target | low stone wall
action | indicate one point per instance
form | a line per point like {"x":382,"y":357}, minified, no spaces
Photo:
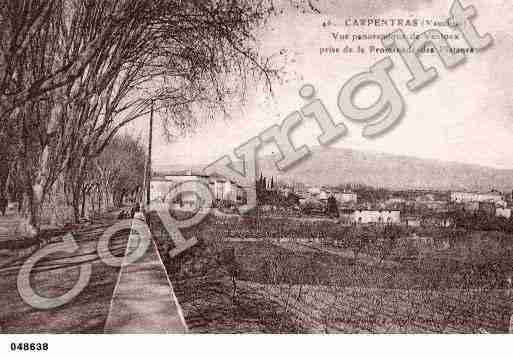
{"x":144,"y":300}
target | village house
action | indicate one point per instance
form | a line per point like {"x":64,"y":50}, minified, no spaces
{"x":342,"y":197}
{"x":503,"y":212}
{"x":432,"y":205}
{"x":345,"y":197}
{"x":221,"y":189}
{"x":395,"y":201}
{"x":465,"y":197}
{"x":366,"y":216}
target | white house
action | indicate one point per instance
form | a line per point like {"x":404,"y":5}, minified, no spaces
{"x":374,"y":216}
{"x":503,"y":212}
{"x":162,"y":184}
{"x":465,"y":197}
{"x":220,"y":188}
{"x":345,"y":197}
{"x":323,"y":194}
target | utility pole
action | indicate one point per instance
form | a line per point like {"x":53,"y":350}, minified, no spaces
{"x":149,"y":174}
{"x":147,"y":165}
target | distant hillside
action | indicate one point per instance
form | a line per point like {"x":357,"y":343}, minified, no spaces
{"x":333,"y":166}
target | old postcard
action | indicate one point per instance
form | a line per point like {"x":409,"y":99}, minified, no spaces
{"x":276,"y":166}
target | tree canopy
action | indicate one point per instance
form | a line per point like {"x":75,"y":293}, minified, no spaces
{"x":74,"y":72}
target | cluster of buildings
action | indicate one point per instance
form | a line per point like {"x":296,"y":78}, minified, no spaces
{"x":468,"y":197}
{"x":370,"y":216}
{"x":408,"y":207}
{"x":412,"y":208}
{"x":323,"y":193}
{"x":224,"y":191}
{"x":492,"y":203}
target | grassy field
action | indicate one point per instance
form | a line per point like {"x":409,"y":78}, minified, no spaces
{"x":271,"y":286}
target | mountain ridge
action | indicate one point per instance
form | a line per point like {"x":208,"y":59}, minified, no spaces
{"x":333,"y":166}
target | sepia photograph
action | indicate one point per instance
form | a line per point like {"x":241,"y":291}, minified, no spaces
{"x":248,"y":167}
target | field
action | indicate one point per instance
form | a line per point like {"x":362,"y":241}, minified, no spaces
{"x":275,"y":280}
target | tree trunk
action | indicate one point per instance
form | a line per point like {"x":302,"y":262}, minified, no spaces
{"x":76,"y":200}
{"x":76,"y":210}
{"x":4,"y":175}
{"x":234,"y":286}
{"x":122,"y":198}
{"x":37,"y":183}
{"x":30,"y":213}
{"x":82,"y":210}
{"x":33,"y":196}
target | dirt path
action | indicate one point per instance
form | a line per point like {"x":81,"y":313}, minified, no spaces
{"x":56,"y":274}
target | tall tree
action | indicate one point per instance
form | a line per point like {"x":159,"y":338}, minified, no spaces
{"x":74,"y":72}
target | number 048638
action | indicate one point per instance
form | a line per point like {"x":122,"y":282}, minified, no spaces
{"x":29,"y":346}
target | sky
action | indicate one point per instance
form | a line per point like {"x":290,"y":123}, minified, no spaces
{"x":465,"y":115}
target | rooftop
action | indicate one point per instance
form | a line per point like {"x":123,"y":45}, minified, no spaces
{"x":163,"y":176}
{"x":186,"y":172}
